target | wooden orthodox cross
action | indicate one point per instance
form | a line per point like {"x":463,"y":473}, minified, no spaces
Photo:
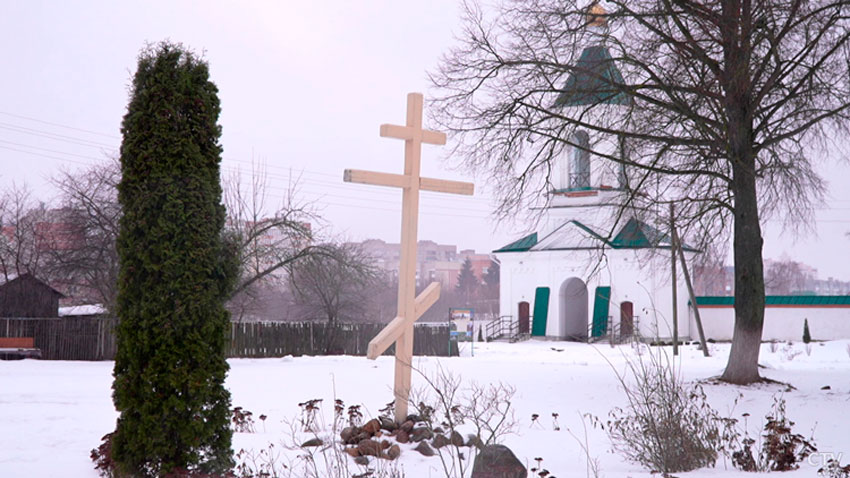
{"x":410,"y":307}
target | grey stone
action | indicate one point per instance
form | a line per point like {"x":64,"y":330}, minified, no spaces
{"x":421,"y":433}
{"x":423,"y":448}
{"x":498,"y":461}
{"x":407,"y":426}
{"x":348,"y":433}
{"x":472,"y":440}
{"x":456,"y":438}
{"x":393,"y":452}
{"x":312,"y":442}
{"x":387,"y":424}
{"x":440,"y":441}
{"x":369,"y":447}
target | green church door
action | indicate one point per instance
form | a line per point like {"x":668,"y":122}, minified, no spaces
{"x":600,"y":311}
{"x":541,"y":311}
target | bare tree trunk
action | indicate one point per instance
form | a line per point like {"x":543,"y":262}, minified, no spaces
{"x":742,"y":367}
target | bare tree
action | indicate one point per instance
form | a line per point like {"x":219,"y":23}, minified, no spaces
{"x":785,"y":277}
{"x":336,"y":285}
{"x":90,"y":211}
{"x":720,"y":107}
{"x":23,"y":238}
{"x":268,"y":239}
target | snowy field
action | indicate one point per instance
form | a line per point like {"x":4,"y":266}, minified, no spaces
{"x":53,"y":413}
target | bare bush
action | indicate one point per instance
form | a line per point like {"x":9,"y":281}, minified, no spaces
{"x":833,"y":469}
{"x":667,"y":427}
{"x":483,"y":412}
{"x":779,"y":448}
{"x":593,"y":468}
{"x":311,"y":449}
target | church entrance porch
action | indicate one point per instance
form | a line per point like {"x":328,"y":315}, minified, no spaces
{"x":572,"y":306}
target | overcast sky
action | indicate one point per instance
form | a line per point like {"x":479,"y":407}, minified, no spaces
{"x":304,"y":87}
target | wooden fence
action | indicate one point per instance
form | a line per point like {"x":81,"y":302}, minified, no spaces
{"x":94,"y":338}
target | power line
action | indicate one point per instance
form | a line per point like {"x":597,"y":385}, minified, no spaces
{"x":49,"y":150}
{"x":320,"y":194}
{"x":59,"y":125}
{"x":369,"y":189}
{"x":308,"y":181}
{"x":55,"y":136}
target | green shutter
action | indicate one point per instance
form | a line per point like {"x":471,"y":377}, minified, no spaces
{"x":600,"y":311}
{"x":541,"y":311}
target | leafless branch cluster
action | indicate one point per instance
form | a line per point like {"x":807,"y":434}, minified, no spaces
{"x":89,"y":212}
{"x":71,"y":244}
{"x":21,"y":241}
{"x":335,"y":283}
{"x":498,"y":93}
{"x":722,"y":107}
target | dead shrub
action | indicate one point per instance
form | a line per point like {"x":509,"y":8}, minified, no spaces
{"x":779,"y":449}
{"x":667,"y":427}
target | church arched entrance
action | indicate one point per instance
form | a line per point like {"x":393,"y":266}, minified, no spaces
{"x":573,"y":309}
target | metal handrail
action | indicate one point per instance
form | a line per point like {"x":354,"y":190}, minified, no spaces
{"x":503,"y":327}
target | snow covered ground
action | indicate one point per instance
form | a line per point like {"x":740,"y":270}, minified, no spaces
{"x":53,"y":413}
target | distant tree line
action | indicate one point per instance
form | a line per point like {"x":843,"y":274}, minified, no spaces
{"x":71,"y":243}
{"x":287,"y":268}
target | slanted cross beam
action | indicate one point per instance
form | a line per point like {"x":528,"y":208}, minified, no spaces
{"x":410,"y":307}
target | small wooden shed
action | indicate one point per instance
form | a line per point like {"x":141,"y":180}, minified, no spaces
{"x":26,"y":296}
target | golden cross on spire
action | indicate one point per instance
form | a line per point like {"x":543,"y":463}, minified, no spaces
{"x":597,"y":16}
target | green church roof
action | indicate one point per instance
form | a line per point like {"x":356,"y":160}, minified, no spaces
{"x":594,"y":80}
{"x":520,"y":245}
{"x":779,"y":300}
{"x":635,"y":234}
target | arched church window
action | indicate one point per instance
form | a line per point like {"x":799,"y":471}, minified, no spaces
{"x":580,"y":164}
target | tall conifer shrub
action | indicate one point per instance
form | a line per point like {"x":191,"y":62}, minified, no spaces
{"x":170,"y":364}
{"x":807,"y":336}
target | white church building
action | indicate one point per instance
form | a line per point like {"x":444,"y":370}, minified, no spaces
{"x":592,"y":268}
{"x":572,"y":279}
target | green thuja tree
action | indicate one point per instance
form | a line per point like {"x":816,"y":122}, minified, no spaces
{"x":175,"y":274}
{"x":467,"y":283}
{"x":807,"y":337}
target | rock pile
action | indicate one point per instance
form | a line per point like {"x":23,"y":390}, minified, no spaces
{"x":371,"y":438}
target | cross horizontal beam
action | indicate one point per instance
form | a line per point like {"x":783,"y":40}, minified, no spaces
{"x":395,"y":328}
{"x":408,"y":133}
{"x":403,"y":181}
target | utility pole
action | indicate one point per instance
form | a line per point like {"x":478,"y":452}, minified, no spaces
{"x":693,"y":296}
{"x":675,"y":292}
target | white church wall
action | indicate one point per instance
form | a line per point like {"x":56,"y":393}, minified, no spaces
{"x":643,"y":278}
{"x":780,"y":322}
{"x":628,"y":272}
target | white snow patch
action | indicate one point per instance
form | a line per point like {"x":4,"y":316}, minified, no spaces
{"x":52,"y":413}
